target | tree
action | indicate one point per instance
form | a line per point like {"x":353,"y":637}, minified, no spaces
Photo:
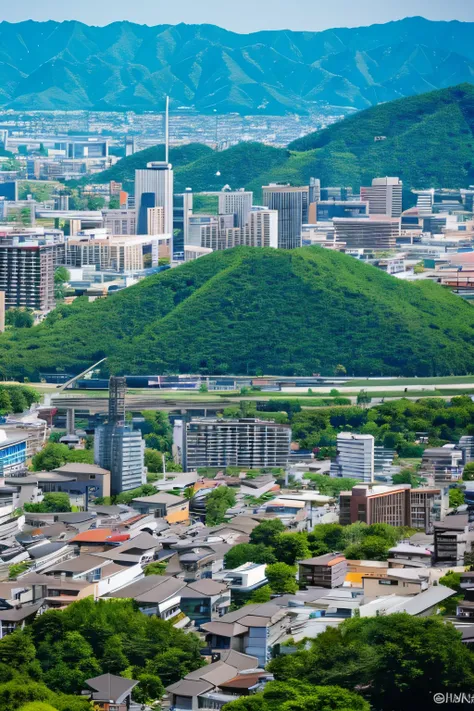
{"x":17,"y":569}
{"x":61,"y":277}
{"x":54,"y":455}
{"x":203,"y":388}
{"x":451,"y":580}
{"x":148,"y":689}
{"x":396,"y":661}
{"x":299,"y":696}
{"x":281,"y":578}
{"x":407,"y":476}
{"x":18,"y":400}
{"x":5,"y":402}
{"x":267,"y":532}
{"x":248,"y":553}
{"x":19,"y":318}
{"x":363,"y":398}
{"x":114,"y":660}
{"x":155,"y":568}
{"x":468,"y":472}
{"x":37,"y":706}
{"x":291,"y":547}
{"x":340,"y":370}
{"x":261,"y":595}
{"x":51,"y":503}
{"x":217,"y":502}
{"x":456,"y":498}
{"x":154,"y":461}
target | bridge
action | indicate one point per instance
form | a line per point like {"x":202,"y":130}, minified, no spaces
{"x":136,"y":403}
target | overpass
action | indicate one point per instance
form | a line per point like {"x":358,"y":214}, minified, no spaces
{"x":136,"y":403}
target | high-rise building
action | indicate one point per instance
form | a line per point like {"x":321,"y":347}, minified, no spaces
{"x":384,"y":196}
{"x":120,"y":222}
{"x":156,"y":221}
{"x":262,"y":228}
{"x":117,"y":446}
{"x":289,"y":203}
{"x":329,"y":209}
{"x":27,"y":273}
{"x":314,"y":190}
{"x":154,"y":188}
{"x":248,"y":443}
{"x":367,"y":233}
{"x":237,"y":203}
{"x":466,"y":445}
{"x":355,"y":457}
{"x":2,"y":311}
{"x":182,"y":211}
{"x":424,"y":202}
{"x":336,"y":193}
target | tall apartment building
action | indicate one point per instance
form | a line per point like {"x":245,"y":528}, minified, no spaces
{"x":288,"y":201}
{"x":396,"y":505}
{"x":466,"y":445}
{"x":355,"y":457}
{"x":155,"y":221}
{"x":27,"y":273}
{"x":117,"y":447}
{"x":424,"y":202}
{"x":442,"y":465}
{"x":182,"y":211}
{"x":115,"y":253}
{"x":237,"y":203}
{"x":314,"y":190}
{"x":120,"y":222}
{"x":367,"y":233}
{"x":261,"y":230}
{"x":154,"y":188}
{"x":384,"y":196}
{"x":250,"y":443}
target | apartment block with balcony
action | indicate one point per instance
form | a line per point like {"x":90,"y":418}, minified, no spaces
{"x":453,"y":538}
{"x":27,"y":273}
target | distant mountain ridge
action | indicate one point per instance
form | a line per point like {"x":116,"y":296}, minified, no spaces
{"x":124,"y":66}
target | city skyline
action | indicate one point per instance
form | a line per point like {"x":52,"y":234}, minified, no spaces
{"x":251,"y":17}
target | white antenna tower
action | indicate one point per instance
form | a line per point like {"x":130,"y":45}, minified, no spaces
{"x":167,"y":130}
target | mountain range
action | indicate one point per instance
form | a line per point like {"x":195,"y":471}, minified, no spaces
{"x":428,"y":141}
{"x":125,"y":66}
{"x":247,"y":310}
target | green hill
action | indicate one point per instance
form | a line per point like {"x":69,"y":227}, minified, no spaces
{"x":256,"y":310}
{"x":428,"y":142}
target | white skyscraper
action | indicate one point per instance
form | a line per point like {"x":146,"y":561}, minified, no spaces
{"x":384,"y":197}
{"x":238,"y":203}
{"x":355,"y":457}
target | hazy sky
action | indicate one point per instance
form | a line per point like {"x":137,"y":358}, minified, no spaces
{"x":240,"y":15}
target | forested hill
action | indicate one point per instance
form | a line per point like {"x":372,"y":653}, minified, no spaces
{"x":427,"y":140}
{"x":125,"y":66}
{"x":249,"y":310}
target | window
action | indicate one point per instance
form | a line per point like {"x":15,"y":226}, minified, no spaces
{"x":92,"y":476}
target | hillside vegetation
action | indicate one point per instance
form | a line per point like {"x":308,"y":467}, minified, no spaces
{"x":428,"y":143}
{"x":125,"y":66}
{"x":256,"y":311}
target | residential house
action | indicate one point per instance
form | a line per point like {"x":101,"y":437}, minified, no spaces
{"x":110,"y":692}
{"x":254,"y":629}
{"x":258,"y":486}
{"x":453,"y":538}
{"x":326,"y":571}
{"x":155,"y":595}
{"x":197,"y":690}
{"x":205,"y":600}
{"x":406,"y":555}
{"x":174,"y":509}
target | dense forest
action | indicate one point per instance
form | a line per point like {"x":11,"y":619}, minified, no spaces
{"x":254,"y":311}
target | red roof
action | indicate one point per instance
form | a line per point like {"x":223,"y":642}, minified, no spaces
{"x":99,"y":535}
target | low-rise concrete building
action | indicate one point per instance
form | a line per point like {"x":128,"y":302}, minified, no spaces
{"x":326,"y":571}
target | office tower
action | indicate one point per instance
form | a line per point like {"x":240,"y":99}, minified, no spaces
{"x":130,"y":145}
{"x":120,"y":222}
{"x":314,"y":190}
{"x":156,"y":221}
{"x":336,"y":193}
{"x":116,"y":253}
{"x":248,"y":443}
{"x":237,"y":203}
{"x":384,"y":197}
{"x":329,"y":209}
{"x":262,"y":228}
{"x":367,"y":233}
{"x":466,"y":445}
{"x":355,"y":457}
{"x":154,"y":188}
{"x":289,"y":203}
{"x":27,"y":273}
{"x":182,"y":211}
{"x":213,"y":234}
{"x":117,"y":392}
{"x":424,"y":202}
{"x":117,"y":446}
{"x":2,"y":311}
{"x":195,"y":222}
